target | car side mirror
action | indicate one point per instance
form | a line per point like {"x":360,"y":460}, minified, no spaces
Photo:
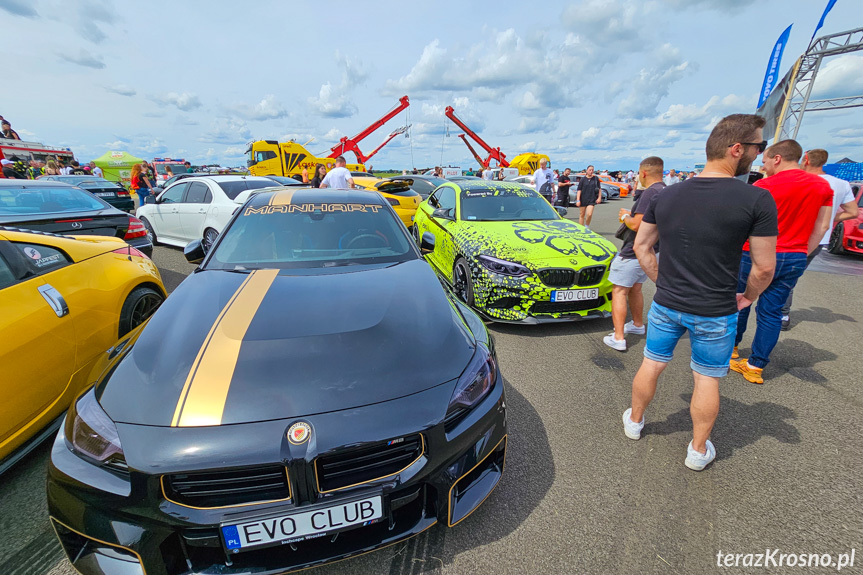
{"x":443,"y":213}
{"x":150,"y":199}
{"x":427,"y":243}
{"x":194,"y":252}
{"x":561,"y":210}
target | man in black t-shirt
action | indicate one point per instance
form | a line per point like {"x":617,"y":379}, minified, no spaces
{"x":563,"y":185}
{"x":703,"y":224}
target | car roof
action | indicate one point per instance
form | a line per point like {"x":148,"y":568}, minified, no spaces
{"x":289,"y":195}
{"x":35,"y":184}
{"x":475,"y":185}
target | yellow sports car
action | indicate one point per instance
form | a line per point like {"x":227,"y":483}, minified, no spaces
{"x":64,"y":301}
{"x":400,"y":196}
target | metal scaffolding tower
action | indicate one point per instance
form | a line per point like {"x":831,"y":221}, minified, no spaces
{"x":797,"y":100}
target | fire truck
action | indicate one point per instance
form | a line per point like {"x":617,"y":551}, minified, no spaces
{"x":273,"y":158}
{"x":159,"y":164}
{"x":526,"y":164}
{"x":23,"y":152}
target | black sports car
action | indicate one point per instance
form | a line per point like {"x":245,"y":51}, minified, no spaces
{"x":59,"y":208}
{"x":112,"y":192}
{"x":311,"y":392}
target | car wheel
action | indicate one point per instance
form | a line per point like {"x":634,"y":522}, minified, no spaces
{"x":462,"y":283}
{"x":415,"y":232}
{"x":139,"y":306}
{"x":837,"y":240}
{"x":210,"y":236}
{"x":151,"y":233}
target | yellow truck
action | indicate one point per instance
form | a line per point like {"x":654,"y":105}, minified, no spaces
{"x":272,"y":158}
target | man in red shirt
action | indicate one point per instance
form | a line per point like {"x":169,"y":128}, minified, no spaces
{"x":803,"y":204}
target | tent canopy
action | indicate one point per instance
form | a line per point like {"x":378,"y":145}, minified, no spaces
{"x":117,"y":166}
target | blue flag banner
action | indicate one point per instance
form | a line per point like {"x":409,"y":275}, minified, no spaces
{"x":830,"y":4}
{"x":772,"y":73}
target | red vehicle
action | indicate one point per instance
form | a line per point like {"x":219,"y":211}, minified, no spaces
{"x":19,"y":150}
{"x":159,"y":164}
{"x":847,"y":236}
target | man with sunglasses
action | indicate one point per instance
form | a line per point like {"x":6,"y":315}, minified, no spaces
{"x":804,"y":206}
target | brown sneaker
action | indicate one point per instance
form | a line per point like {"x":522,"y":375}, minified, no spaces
{"x":749,"y":373}
{"x":735,"y":354}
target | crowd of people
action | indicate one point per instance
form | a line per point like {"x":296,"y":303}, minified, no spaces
{"x":725,"y":244}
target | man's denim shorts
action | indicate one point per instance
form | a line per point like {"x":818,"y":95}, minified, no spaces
{"x":626,"y":273}
{"x":712,"y":338}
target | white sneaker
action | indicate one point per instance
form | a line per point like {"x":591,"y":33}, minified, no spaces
{"x":698,"y":461}
{"x":618,"y":344}
{"x":630,"y":327}
{"x":630,"y":428}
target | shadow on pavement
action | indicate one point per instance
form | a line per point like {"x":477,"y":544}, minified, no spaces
{"x":587,"y":326}
{"x":797,"y":358}
{"x":738,"y":424}
{"x":818,"y":315}
{"x":528,"y":476}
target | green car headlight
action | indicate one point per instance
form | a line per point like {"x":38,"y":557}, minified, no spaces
{"x":503,"y":267}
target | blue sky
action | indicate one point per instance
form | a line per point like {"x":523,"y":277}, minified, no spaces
{"x":602,"y":82}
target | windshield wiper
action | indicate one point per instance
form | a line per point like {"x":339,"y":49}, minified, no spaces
{"x":339,"y":263}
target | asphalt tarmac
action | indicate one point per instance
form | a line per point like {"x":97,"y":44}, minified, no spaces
{"x":579,"y":497}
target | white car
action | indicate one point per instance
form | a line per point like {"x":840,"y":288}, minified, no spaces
{"x":196,"y":208}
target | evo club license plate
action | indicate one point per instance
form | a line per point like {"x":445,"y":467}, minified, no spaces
{"x":290,"y":528}
{"x":574,"y":294}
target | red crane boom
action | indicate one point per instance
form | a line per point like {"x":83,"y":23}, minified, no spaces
{"x":351,"y":144}
{"x":394,"y":133}
{"x":472,"y":151}
{"x":493,"y":153}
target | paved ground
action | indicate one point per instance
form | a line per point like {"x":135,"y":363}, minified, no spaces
{"x":578,"y":497}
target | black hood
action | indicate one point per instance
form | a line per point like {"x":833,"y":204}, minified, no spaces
{"x":239,"y":347}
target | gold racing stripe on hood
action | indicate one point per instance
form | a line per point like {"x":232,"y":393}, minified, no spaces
{"x":282,"y":198}
{"x":202,"y":400}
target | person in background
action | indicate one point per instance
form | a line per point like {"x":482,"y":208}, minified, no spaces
{"x":305,"y":175}
{"x":169,"y":173}
{"x":671,"y":178}
{"x":77,"y":170}
{"x":64,"y":169}
{"x":9,"y":170}
{"x":588,"y":195}
{"x":7,"y":132}
{"x":140,"y":183}
{"x":339,"y":177}
{"x":189,"y":169}
{"x":488,"y":174}
{"x":844,"y":208}
{"x":625,"y":272}
{"x":564,"y":183}
{"x":543,"y":181}
{"x":500,"y":175}
{"x":51,"y":169}
{"x":35,"y":170}
{"x":805,"y":204}
{"x":320,"y":174}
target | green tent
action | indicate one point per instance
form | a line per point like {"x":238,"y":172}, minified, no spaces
{"x":117,"y":166}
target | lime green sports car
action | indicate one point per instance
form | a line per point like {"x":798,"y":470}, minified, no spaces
{"x":507,"y":253}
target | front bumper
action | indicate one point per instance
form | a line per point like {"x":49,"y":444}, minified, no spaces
{"x":114,"y":524}
{"x":528,"y":300}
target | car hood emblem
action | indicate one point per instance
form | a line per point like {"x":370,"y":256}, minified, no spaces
{"x":299,"y":432}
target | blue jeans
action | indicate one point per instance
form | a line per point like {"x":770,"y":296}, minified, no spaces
{"x":712,"y":338}
{"x":768,"y":310}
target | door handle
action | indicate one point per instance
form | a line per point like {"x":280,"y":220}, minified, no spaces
{"x":202,"y":211}
{"x":54,"y":299}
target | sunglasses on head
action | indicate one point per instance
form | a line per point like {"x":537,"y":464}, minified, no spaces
{"x":762,"y":145}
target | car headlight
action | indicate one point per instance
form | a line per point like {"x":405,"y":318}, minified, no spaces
{"x":475,"y":382}
{"x":91,"y":433}
{"x":503,"y":267}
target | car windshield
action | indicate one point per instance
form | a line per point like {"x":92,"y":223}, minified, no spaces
{"x":308,"y":236}
{"x":285,"y":180}
{"x":77,"y":180}
{"x":233,"y":188}
{"x":494,"y":204}
{"x":96,"y":183}
{"x":175,"y":168}
{"x":29,"y":201}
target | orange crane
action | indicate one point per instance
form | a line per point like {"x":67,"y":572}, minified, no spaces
{"x":352,"y":144}
{"x":493,"y":153}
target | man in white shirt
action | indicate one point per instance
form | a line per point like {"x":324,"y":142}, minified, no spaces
{"x":844,"y":208}
{"x":543,"y":180}
{"x":96,"y":170}
{"x":671,"y":178}
{"x":338,"y":177}
{"x":487,"y":174}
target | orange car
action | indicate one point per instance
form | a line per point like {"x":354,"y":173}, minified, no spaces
{"x":624,"y":188}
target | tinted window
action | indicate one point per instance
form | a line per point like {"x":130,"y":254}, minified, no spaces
{"x":497,"y":205}
{"x":312,"y":239}
{"x":446,"y":198}
{"x":233,"y":188}
{"x":197,"y":193}
{"x":23,"y":201}
{"x":174,"y":194}
{"x":7,"y":278}
{"x":43,"y":258}
{"x":263,"y":156}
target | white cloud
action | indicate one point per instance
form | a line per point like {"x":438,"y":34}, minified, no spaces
{"x":839,"y":77}
{"x":83,"y":58}
{"x":185,"y":101}
{"x":333,"y":134}
{"x":116,"y":145}
{"x":653,"y":84}
{"x":227,"y":131}
{"x":89,"y":16}
{"x":336,"y":101}
{"x":235,"y":151}
{"x":527,"y":147}
{"x":122,"y":90}
{"x":269,"y":108}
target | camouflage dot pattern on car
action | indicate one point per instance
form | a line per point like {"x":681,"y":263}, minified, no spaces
{"x":539,"y":245}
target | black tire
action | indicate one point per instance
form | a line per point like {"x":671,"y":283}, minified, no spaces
{"x":462,"y":282}
{"x":209,"y":238}
{"x":139,"y":306}
{"x":151,"y":233}
{"x":415,"y":232}
{"x":837,"y":240}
